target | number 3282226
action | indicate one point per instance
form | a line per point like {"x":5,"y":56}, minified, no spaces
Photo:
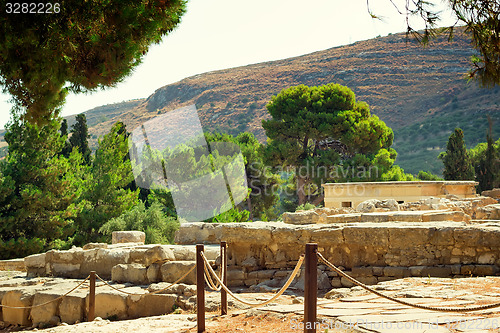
{"x":32,"y":8}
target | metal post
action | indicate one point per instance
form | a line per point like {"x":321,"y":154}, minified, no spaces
{"x":311,"y":288}
{"x":200,"y":289}
{"x":91,"y":314}
{"x":223,"y":292}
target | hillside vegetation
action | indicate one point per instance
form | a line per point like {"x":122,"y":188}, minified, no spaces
{"x":418,"y":91}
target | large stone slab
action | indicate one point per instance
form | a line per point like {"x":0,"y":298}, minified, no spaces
{"x":128,"y":237}
{"x":109,"y":304}
{"x":173,"y":270}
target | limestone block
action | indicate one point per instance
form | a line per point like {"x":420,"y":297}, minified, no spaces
{"x":323,"y":280}
{"x":375,"y":217}
{"x":262,"y":274}
{"x":71,"y":308}
{"x":397,"y":272}
{"x":368,"y":280}
{"x":43,"y":314}
{"x":363,"y":236}
{"x":367,"y":206}
{"x":137,"y":254}
{"x":439,"y":271}
{"x":237,"y":233}
{"x":173,"y":270}
{"x":362,"y":271}
{"x":492,"y":212}
{"x":109,"y":304}
{"x":302,"y":217}
{"x":407,"y":216}
{"x":150,"y":305}
{"x":416,"y":270}
{"x":133,"y":273}
{"x":20,"y":297}
{"x":153,"y":273}
{"x":408,"y":237}
{"x":335,"y":283}
{"x":485,"y":270}
{"x":128,"y":237}
{"x":91,"y":246}
{"x":65,"y":270}
{"x":158,"y":253}
{"x":35,"y":261}
{"x":177,"y":289}
{"x":345,"y":282}
{"x":235,"y":274}
{"x":198,"y":233}
{"x":344,"y":218}
{"x":442,"y":236}
{"x":494,"y":193}
{"x":486,"y":258}
{"x":103,"y":260}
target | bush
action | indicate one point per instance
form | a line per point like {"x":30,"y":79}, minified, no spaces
{"x":20,"y":247}
{"x":158,"y":227}
{"x":306,"y":206}
{"x":422,"y":175}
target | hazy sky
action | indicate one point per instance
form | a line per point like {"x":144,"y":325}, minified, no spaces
{"x":219,"y":34}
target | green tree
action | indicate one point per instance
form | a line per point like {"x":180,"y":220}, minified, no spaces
{"x":486,"y":160}
{"x":423,"y":175}
{"x":314,"y":128}
{"x":79,"y":138}
{"x":84,"y":46}
{"x":66,"y":150}
{"x":38,"y":187}
{"x":158,"y":227}
{"x":456,"y":159}
{"x":105,"y":195}
{"x":262,"y":182}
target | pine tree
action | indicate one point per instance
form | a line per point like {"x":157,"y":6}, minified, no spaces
{"x":456,"y":159}
{"x":37,"y":186}
{"x":79,"y":137}
{"x":82,"y":46}
{"x":104,"y":191}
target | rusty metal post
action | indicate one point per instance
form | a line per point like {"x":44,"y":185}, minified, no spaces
{"x":223,"y":293}
{"x":310,"y":288}
{"x":91,"y":314}
{"x":200,"y":289}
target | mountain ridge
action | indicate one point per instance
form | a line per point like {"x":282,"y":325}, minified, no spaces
{"x":418,"y":91}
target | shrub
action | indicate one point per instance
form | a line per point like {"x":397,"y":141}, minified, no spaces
{"x":158,"y":227}
{"x":306,"y":206}
{"x":20,"y":247}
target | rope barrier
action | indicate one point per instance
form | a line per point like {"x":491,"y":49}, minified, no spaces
{"x":208,"y":279}
{"x":425,"y":307}
{"x":150,"y":293}
{"x":42,"y":304}
{"x":280,"y":292}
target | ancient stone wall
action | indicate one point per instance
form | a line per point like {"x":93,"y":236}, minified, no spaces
{"x":264,"y":252}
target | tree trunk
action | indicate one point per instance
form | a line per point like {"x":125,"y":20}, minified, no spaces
{"x":249,"y":203}
{"x":301,"y":183}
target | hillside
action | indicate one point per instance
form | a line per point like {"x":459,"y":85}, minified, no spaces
{"x":420,"y":92}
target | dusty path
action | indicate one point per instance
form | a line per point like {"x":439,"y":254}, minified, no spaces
{"x":348,"y":310}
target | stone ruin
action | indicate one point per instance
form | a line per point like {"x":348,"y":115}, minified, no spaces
{"x":374,"y":242}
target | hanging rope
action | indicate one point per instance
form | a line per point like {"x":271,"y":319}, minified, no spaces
{"x":418,"y":306}
{"x":280,"y":292}
{"x":151,"y":293}
{"x":208,"y":279}
{"x":42,"y":304}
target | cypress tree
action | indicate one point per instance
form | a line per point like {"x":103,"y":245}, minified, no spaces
{"x":456,"y":159}
{"x":79,"y":138}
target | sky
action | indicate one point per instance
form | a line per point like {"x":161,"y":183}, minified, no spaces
{"x":220,"y":34}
